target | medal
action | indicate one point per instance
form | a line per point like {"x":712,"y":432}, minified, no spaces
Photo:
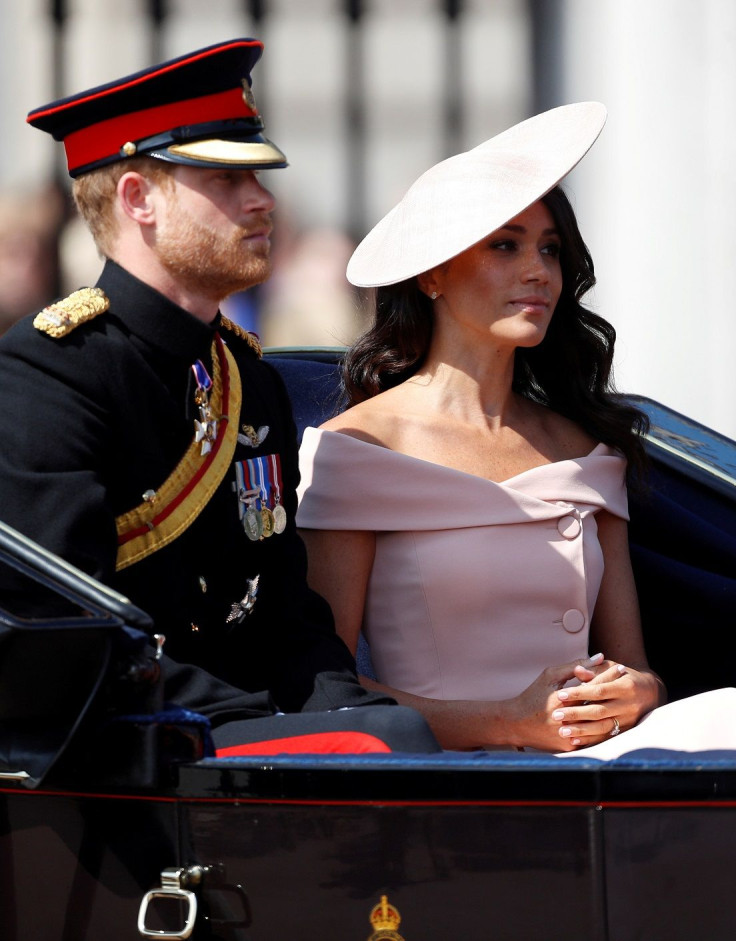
{"x":258,"y":485}
{"x":206,"y":432}
{"x":279,"y":513}
{"x":260,"y":468}
{"x":253,"y":524}
{"x":268,"y":522}
{"x":205,"y":427}
{"x":279,"y":518}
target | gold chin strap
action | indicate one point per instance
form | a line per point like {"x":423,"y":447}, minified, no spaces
{"x":167,"y":512}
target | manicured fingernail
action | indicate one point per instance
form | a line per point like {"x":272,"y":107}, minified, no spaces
{"x":558,"y":714}
{"x":576,"y":741}
{"x":596,"y":658}
{"x":562,"y":694}
{"x":621,"y":668}
{"x":565,"y":732}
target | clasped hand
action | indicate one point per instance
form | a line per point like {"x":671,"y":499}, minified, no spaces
{"x":555,"y":717}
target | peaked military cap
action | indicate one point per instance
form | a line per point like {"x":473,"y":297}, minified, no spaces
{"x":197,"y":109}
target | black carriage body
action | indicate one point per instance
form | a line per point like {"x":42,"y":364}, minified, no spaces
{"x":305,"y":848}
{"x":473,"y":846}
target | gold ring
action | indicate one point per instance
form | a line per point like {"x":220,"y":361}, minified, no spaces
{"x":616,"y":727}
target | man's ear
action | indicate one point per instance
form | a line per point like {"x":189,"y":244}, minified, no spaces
{"x":134,"y":197}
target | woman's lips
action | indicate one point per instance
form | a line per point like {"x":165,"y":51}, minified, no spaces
{"x":533,"y":304}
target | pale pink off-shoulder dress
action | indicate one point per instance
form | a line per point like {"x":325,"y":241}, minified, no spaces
{"x":478,"y":586}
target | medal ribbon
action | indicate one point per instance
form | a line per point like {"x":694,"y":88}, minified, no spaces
{"x":244,"y":490}
{"x":264,"y":481}
{"x":201,"y":376}
{"x":261,"y":478}
{"x":185,"y":493}
{"x":275,"y":460}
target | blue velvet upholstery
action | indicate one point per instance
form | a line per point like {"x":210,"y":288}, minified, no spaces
{"x":643,"y":759}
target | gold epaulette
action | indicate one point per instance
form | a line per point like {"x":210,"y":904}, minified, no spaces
{"x":61,"y":318}
{"x":250,"y":338}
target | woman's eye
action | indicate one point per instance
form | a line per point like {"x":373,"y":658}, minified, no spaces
{"x":503,"y":245}
{"x":553,"y":249}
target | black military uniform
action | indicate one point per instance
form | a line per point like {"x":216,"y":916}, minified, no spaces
{"x":157,"y":451}
{"x":94,"y":420}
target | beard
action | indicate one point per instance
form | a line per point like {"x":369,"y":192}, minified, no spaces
{"x":206,"y":262}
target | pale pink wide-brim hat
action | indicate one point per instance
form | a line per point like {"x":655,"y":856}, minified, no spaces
{"x":459,"y":201}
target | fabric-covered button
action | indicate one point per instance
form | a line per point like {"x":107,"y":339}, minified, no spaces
{"x":573,"y":621}
{"x":568,"y":526}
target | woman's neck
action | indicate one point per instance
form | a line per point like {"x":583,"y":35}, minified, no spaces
{"x":472,"y":384}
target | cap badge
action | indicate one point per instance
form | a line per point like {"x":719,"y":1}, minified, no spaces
{"x":61,"y":318}
{"x":248,"y":96}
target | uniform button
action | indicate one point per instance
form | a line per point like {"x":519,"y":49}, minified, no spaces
{"x":573,"y":621}
{"x":568,"y":526}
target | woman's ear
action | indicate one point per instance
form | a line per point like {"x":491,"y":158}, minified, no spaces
{"x":427,"y":282}
{"x":134,"y":198}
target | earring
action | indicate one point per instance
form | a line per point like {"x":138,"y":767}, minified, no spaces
{"x":433,"y":295}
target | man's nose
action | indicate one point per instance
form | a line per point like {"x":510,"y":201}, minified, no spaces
{"x":257,"y":198}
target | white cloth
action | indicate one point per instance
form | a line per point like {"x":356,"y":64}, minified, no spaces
{"x":699,"y":723}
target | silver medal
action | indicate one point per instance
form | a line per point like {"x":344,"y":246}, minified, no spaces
{"x":279,"y":518}
{"x":253,"y":523}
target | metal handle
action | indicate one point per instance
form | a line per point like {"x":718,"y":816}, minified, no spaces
{"x":172,"y":881}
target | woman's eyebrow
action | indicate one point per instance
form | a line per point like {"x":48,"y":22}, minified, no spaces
{"x":522,"y":230}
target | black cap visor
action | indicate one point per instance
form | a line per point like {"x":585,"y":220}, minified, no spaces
{"x":254,"y":152}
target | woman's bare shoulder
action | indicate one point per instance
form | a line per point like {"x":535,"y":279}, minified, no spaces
{"x":370,"y":420}
{"x":572,"y":440}
{"x":560,"y":437}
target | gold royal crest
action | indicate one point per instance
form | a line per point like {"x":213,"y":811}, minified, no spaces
{"x":385,"y":919}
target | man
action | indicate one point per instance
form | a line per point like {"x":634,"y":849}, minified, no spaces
{"x":146,"y":441}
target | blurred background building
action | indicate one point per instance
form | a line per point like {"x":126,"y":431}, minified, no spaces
{"x":363,"y":95}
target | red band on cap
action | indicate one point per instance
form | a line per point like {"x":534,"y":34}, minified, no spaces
{"x":98,"y":141}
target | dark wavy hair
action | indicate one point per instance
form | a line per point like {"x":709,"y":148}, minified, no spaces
{"x":570,"y":371}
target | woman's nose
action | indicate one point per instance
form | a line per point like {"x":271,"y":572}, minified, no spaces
{"x":534,"y":267}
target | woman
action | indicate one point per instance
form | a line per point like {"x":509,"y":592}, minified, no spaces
{"x":468,"y":511}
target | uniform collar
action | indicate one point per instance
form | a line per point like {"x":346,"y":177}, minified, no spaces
{"x":151,"y":316}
